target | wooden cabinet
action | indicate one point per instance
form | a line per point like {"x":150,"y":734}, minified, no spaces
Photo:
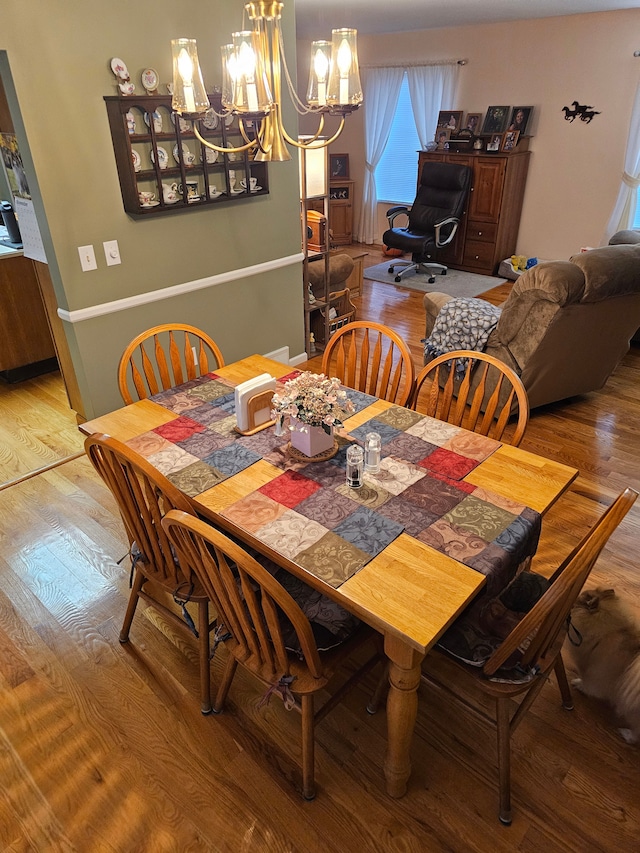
{"x":341,"y":212}
{"x":26,"y":347}
{"x":488,"y":231}
{"x":158,"y":153}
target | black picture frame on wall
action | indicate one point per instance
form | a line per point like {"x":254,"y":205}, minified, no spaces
{"x":495,"y":121}
{"x":338,"y":166}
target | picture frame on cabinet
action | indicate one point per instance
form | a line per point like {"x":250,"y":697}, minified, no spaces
{"x":450,"y":120}
{"x":495,"y":121}
{"x":495,"y":142}
{"x":473,"y":122}
{"x":338,"y":165}
{"x":443,"y":135}
{"x":510,"y":140}
{"x":520,"y":118}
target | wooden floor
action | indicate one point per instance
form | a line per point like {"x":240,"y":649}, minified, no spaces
{"x":103,"y":747}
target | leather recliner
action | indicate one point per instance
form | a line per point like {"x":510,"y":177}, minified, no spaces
{"x":566,"y":324}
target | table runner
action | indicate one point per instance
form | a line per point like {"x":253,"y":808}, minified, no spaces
{"x":308,"y":514}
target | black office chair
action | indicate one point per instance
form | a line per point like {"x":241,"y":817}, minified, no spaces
{"x":433,"y":218}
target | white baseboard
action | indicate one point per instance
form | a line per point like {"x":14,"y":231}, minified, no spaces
{"x":281,"y":354}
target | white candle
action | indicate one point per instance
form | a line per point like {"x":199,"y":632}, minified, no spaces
{"x":344,"y":67}
{"x":252,"y":97}
{"x":344,"y":90}
{"x":189,"y":99}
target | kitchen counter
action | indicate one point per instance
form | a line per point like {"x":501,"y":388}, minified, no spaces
{"x":5,"y":250}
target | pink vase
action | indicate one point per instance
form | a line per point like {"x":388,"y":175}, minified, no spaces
{"x":310,"y":440}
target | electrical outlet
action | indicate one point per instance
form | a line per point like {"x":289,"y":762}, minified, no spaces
{"x":87,"y":258}
{"x":111,"y":252}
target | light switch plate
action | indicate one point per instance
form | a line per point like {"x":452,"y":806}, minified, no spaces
{"x":87,"y":258}
{"x":111,"y":252}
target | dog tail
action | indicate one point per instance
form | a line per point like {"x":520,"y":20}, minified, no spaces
{"x":628,"y":698}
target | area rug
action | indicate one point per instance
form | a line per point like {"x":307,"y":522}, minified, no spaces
{"x":455,"y":282}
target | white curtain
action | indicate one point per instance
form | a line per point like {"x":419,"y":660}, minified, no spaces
{"x":432,"y":88}
{"x":381,"y":88}
{"x":624,"y":210}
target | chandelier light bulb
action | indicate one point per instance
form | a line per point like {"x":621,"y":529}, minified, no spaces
{"x":185,"y":67}
{"x":321,"y":69}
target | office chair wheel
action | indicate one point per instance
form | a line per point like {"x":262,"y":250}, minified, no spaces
{"x":444,"y":271}
{"x":432,"y":280}
{"x":398,"y":278}
{"x":391,"y":268}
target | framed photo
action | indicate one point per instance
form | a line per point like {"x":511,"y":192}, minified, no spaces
{"x":13,"y":167}
{"x":495,"y":142}
{"x":443,"y":135}
{"x":520,"y":117}
{"x":495,"y":120}
{"x":473,"y":122}
{"x":338,"y":166}
{"x":510,"y":140}
{"x":450,"y":120}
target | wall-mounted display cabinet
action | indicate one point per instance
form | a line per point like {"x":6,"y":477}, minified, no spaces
{"x":164,"y":168}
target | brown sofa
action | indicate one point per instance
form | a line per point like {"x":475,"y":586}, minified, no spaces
{"x":566,"y":324}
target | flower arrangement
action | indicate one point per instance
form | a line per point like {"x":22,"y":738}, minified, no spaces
{"x":314,"y":399}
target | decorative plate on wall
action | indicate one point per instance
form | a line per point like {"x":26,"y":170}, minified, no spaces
{"x":149,"y":79}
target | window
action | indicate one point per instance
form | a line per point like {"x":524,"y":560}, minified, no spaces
{"x":396,"y":173}
{"x":636,"y":221}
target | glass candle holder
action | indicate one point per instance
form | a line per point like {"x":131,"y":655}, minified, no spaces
{"x":355,"y":466}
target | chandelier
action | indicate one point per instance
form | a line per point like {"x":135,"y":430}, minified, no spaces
{"x":254,"y":70}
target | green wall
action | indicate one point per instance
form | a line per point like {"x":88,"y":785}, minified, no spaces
{"x":57,"y":55}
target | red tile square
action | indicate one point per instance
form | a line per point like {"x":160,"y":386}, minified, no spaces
{"x":290,"y":488}
{"x":179,"y":429}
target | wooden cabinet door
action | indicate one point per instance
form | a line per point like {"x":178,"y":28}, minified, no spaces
{"x":486,"y":194}
{"x":341,"y":223}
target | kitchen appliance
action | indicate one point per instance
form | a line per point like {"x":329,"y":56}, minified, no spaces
{"x":13,"y":238}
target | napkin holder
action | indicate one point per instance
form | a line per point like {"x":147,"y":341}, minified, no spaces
{"x":253,"y":404}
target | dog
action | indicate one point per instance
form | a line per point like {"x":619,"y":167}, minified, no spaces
{"x":604,"y":643}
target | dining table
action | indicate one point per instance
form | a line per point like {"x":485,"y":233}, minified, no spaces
{"x":450,"y":514}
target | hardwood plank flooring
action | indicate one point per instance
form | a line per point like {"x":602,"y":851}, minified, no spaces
{"x":37,"y":427}
{"x":103,"y":747}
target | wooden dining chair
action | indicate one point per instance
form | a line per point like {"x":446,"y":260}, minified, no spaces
{"x":472,"y":661}
{"x":372,"y":358}
{"x":262,"y":622}
{"x":143,"y":496}
{"x":163,"y":357}
{"x":475,"y":391}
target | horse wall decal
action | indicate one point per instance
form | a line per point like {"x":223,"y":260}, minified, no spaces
{"x":584,"y":112}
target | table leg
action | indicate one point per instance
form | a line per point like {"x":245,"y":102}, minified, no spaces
{"x":402,"y":708}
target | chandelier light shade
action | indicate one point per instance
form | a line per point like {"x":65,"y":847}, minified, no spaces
{"x":251,"y":92}
{"x":254,"y":74}
{"x":189,"y":93}
{"x":344,"y":80}
{"x":319,"y":73}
